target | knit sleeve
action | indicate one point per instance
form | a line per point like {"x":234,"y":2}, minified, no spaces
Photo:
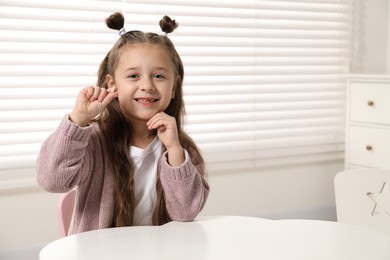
{"x":185,"y":189}
{"x":61,"y":160}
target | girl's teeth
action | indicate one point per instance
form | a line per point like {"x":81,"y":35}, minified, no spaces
{"x":145,"y":100}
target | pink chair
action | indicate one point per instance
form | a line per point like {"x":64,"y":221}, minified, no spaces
{"x":65,"y":208}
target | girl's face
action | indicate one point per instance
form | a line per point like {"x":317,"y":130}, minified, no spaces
{"x":144,"y":78}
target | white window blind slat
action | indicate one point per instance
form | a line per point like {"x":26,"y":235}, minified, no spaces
{"x":57,"y":102}
{"x":32,"y":115}
{"x":27,"y":127}
{"x":265,"y":88}
{"x":262,"y":146}
{"x":22,"y":162}
{"x":41,"y":22}
{"x":286,"y":53}
{"x":263,"y":61}
{"x":264,"y":82}
{"x":302,"y":100}
{"x":77,"y":59}
{"x":53,"y":48}
{"x":269,"y":113}
{"x":23,"y":138}
{"x":80,"y":70}
{"x":38,"y":93}
{"x":37,"y":104}
{"x":248,"y":132}
{"x":20,"y":83}
{"x":275,"y":124}
{"x":261,"y":79}
{"x":19,"y":149}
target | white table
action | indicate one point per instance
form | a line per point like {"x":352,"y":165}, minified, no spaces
{"x":225,"y":238}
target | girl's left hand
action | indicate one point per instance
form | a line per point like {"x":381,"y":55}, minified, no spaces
{"x":166,"y":129}
{"x":167,"y":133}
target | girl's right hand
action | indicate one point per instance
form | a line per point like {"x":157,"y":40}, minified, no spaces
{"x":90,"y":102}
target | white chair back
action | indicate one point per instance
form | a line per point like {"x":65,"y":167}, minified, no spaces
{"x":363,"y":198}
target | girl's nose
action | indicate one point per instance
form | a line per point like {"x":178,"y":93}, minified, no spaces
{"x":147,"y":86}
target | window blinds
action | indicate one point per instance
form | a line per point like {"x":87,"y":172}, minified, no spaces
{"x":264,"y":82}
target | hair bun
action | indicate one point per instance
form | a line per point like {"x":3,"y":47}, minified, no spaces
{"x":115,"y":21}
{"x":168,"y":25}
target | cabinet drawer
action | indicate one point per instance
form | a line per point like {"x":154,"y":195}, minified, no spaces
{"x":369,"y":147}
{"x":370,"y":102}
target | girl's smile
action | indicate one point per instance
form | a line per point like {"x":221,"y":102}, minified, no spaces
{"x":146,"y":101}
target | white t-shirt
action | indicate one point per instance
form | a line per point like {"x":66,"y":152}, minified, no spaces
{"x":145,"y":178}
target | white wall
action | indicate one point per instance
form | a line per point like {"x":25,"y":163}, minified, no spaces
{"x":27,"y":219}
{"x":373,"y":36}
{"x":28,"y":216}
{"x":388,"y":39}
{"x":299,"y":191}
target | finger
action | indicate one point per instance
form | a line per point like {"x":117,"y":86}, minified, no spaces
{"x":160,"y":122}
{"x":155,"y":124}
{"x":161,"y":128}
{"x":96,"y":93}
{"x":152,"y":121}
{"x":111,"y":95}
{"x":103,"y":93}
{"x":90,"y":91}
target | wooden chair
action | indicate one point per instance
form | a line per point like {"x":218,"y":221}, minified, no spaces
{"x":363,"y":198}
{"x":65,"y":208}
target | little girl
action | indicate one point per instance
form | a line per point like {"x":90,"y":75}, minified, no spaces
{"x":123,"y":146}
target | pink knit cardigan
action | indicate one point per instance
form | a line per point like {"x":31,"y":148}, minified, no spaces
{"x":77,"y":156}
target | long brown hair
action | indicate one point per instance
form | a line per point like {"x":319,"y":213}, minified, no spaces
{"x":118,"y":130}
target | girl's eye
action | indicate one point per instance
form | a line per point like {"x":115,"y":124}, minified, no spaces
{"x":133,"y":76}
{"x":158,"y":76}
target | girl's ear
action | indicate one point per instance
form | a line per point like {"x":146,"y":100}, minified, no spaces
{"x":110,"y":81}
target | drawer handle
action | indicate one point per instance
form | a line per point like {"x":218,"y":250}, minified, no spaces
{"x":369,"y":148}
{"x":370,"y":103}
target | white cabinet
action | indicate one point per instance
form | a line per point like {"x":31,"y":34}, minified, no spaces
{"x":368,"y":122}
